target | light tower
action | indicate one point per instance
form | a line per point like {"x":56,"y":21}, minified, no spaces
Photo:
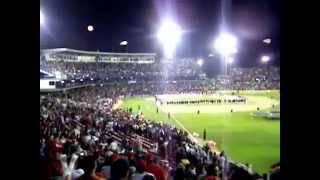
{"x":226,"y":45}
{"x":169,"y":36}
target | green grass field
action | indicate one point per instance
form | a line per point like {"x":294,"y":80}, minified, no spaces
{"x":244,"y":138}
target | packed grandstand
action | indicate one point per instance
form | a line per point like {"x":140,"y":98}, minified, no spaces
{"x":82,"y":133}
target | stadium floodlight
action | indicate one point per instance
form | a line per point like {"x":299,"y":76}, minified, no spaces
{"x":200,"y":62}
{"x":169,"y":36}
{"x":267,"y":41}
{"x":230,"y":60}
{"x":123,"y":43}
{"x":226,"y":44}
{"x":265,"y":59}
{"x":210,"y":55}
{"x":41,"y":18}
{"x":90,"y":28}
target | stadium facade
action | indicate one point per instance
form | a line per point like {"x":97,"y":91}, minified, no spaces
{"x":72,"y":55}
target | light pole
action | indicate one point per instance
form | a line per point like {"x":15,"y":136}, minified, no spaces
{"x":226,"y":45}
{"x":229,"y":63}
{"x":169,"y":36}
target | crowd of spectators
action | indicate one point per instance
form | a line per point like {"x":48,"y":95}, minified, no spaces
{"x":250,"y":78}
{"x":179,"y":70}
{"x":83,"y":137}
{"x":182,"y":69}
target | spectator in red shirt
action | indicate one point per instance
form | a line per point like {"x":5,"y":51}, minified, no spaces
{"x":51,"y":167}
{"x":153,"y":167}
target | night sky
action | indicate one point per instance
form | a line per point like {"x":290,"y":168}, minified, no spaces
{"x":137,"y":22}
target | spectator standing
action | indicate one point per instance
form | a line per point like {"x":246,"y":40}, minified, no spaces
{"x":153,"y":167}
{"x":89,"y":167}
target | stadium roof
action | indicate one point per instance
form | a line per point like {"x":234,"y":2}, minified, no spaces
{"x":59,"y":50}
{"x":45,"y":73}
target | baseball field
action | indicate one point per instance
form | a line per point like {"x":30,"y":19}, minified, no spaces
{"x":244,"y":138}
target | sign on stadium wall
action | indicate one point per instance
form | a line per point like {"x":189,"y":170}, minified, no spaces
{"x":48,"y":83}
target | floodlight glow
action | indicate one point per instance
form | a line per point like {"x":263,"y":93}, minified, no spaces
{"x":123,"y":43}
{"x":210,"y":55}
{"x":200,"y":62}
{"x":265,"y":59}
{"x":230,"y":60}
{"x":226,"y":44}
{"x":169,"y":35}
{"x":267,"y":41}
{"x":41,"y":18}
{"x":90,"y":28}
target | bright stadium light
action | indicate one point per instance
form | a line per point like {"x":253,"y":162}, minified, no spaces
{"x":123,"y":43}
{"x":210,"y":55}
{"x":90,"y":28}
{"x":265,"y":59}
{"x":41,"y":18}
{"x":230,"y":60}
{"x":267,"y":41}
{"x":169,"y":35}
{"x":200,"y":62}
{"x":226,"y":44}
